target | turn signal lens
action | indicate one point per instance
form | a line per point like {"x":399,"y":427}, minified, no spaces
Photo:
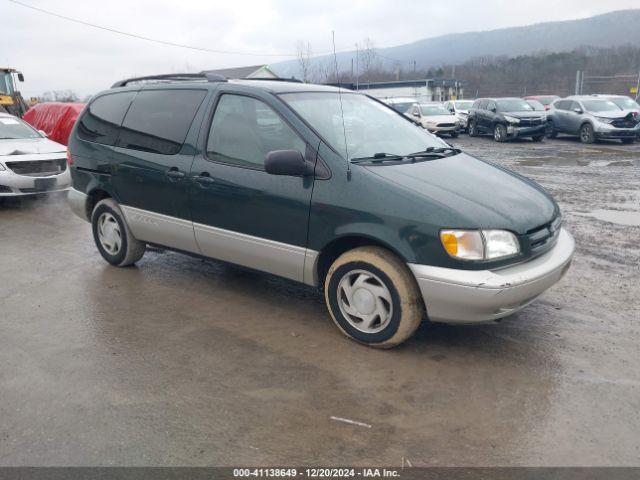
{"x":69,"y":157}
{"x":465,"y":244}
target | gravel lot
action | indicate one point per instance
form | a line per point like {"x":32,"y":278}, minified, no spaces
{"x":183,"y":362}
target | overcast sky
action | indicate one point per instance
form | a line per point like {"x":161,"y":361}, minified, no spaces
{"x":55,"y":54}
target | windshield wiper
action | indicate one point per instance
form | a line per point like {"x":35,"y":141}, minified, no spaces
{"x":379,"y":157}
{"x":435,"y":152}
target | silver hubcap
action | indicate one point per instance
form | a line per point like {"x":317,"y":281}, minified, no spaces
{"x":586,"y":134}
{"x":498,"y":133}
{"x":365,"y":301}
{"x":109,"y":233}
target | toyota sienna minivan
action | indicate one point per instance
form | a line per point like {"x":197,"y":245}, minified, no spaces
{"x":319,"y":185}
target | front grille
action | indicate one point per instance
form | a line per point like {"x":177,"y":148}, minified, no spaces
{"x":446,"y":125}
{"x":543,"y":237}
{"x":530,"y":122}
{"x":5,"y":189}
{"x":624,"y":123}
{"x":38,"y":168}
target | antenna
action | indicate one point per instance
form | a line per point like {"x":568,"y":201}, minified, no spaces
{"x":344,"y":129}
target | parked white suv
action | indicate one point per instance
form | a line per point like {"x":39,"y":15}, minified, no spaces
{"x":29,"y":162}
{"x":460,"y":108}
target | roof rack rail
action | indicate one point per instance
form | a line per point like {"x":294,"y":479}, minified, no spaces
{"x":172,"y":77}
{"x":292,"y":79}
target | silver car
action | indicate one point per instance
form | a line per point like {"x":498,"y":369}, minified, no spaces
{"x":592,"y":118}
{"x":460,"y":109}
{"x":29,"y":162}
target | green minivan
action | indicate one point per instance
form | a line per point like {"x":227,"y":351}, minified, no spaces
{"x":319,"y":185}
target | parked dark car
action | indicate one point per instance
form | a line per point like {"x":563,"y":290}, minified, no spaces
{"x":592,"y":118}
{"x":333,"y":189}
{"x":506,"y":118}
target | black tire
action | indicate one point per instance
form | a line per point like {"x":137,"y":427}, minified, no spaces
{"x":500,"y":132}
{"x":551,"y":130}
{"x":401,"y":303}
{"x":537,"y":138}
{"x":453,"y":134}
{"x":627,"y":141}
{"x":113,"y":238}
{"x":473,"y":129}
{"x":586,"y":134}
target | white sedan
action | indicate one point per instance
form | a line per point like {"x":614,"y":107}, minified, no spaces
{"x":435,"y":118}
{"x":29,"y":162}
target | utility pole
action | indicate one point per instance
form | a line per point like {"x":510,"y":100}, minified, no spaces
{"x":577,"y":89}
{"x":638,"y":86}
{"x":357,"y":67}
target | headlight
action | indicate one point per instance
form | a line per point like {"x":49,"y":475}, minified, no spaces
{"x":543,"y":118}
{"x":511,"y":119}
{"x":604,"y":119}
{"x":479,"y":244}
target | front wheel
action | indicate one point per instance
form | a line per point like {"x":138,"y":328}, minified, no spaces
{"x":453,"y":134}
{"x":373,"y":297}
{"x":626,"y":141}
{"x":113,"y":238}
{"x":537,"y":138}
{"x":551,"y":131}
{"x":473,"y":129}
{"x":499,"y":132}
{"x":586,"y":134}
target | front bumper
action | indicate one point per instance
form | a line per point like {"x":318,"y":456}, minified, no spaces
{"x":514,"y":131}
{"x":14,"y":185}
{"x":609,"y":131}
{"x":438,"y":129}
{"x":472,"y":296}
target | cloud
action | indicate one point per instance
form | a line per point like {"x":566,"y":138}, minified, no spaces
{"x":56,"y":54}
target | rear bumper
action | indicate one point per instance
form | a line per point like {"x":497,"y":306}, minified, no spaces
{"x":472,"y":296}
{"x":78,"y":203}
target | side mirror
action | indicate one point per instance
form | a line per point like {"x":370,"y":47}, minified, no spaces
{"x":20,"y":77}
{"x":578,"y":110}
{"x":43,"y":133}
{"x":287,"y":162}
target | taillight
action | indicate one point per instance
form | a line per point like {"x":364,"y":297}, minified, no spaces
{"x":69,"y":157}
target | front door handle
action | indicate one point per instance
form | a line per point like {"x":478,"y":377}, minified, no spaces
{"x":175,"y":174}
{"x":204,"y":179}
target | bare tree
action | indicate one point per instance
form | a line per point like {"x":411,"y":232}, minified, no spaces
{"x":367,"y":57}
{"x":65,"y":96}
{"x":304,"y":54}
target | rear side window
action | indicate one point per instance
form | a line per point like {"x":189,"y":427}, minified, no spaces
{"x":158,"y":120}
{"x":562,"y":104}
{"x":101,"y":120}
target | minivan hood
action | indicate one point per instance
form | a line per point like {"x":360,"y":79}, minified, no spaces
{"x":474,"y":193}
{"x":29,"y":146}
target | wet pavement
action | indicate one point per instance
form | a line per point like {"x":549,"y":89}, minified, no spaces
{"x":183,"y":362}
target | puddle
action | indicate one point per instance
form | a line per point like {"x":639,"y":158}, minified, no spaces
{"x":620,"y":217}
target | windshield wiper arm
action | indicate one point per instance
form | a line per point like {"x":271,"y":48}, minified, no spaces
{"x":380,"y":157}
{"x":436,"y":151}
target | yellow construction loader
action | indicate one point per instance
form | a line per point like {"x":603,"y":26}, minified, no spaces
{"x":10,"y":99}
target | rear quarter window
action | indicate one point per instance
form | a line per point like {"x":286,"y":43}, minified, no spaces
{"x":102,"y":119}
{"x":158,"y":120}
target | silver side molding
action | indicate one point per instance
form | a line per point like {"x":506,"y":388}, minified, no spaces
{"x":161,"y":229}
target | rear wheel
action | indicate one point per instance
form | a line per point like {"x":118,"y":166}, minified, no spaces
{"x":627,"y":140}
{"x":453,"y":134}
{"x":537,"y":138}
{"x":373,"y":297}
{"x":586,"y":134}
{"x":473,"y":129}
{"x":499,"y":132}
{"x":113,"y":238}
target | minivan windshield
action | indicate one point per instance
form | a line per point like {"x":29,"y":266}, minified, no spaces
{"x":599,"y":105}
{"x":12,"y":128}
{"x":370,"y":126}
{"x":513,"y":105}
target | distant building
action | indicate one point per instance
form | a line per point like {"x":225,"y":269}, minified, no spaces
{"x":254,"y":71}
{"x":427,"y":90}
